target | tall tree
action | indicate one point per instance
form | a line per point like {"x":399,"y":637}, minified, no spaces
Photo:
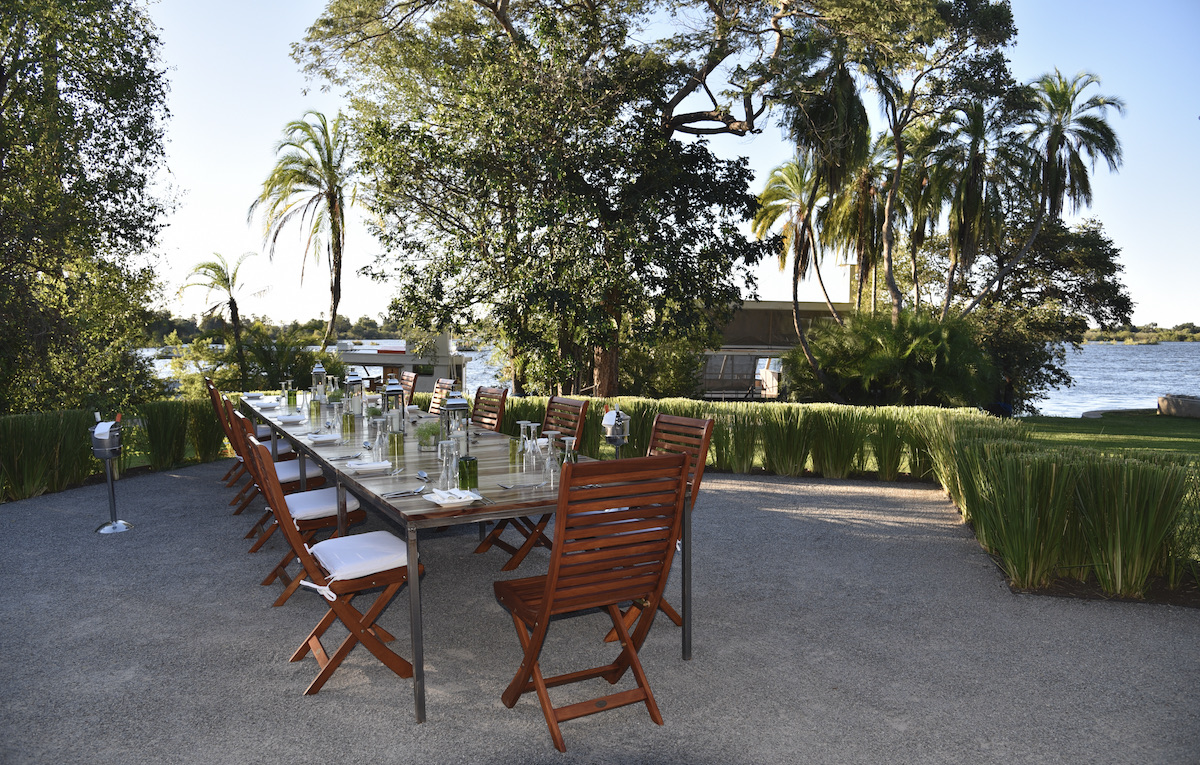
{"x":1068,"y":135}
{"x":82,"y":104}
{"x":217,"y":276}
{"x":918,"y":68}
{"x":309,"y":182}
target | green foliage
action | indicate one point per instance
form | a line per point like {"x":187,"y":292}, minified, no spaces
{"x":80,"y":143}
{"x":787,"y":438}
{"x":1129,"y":509}
{"x":165,"y":425}
{"x":839,"y":437}
{"x":44,"y":452}
{"x":735,"y":437}
{"x":1031,"y":495}
{"x":205,"y":432}
{"x":887,"y":441}
{"x":920,"y":360}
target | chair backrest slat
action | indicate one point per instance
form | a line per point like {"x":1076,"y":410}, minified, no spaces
{"x":615,"y":528}
{"x":441,"y":391}
{"x":488,"y":411}
{"x":408,"y":381}
{"x":683,"y":435}
{"x":566,"y":415}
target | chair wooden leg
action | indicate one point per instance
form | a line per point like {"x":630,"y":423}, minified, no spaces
{"x":265,"y":521}
{"x":232,"y":469}
{"x":535,"y":537}
{"x":241,"y":471}
{"x":635,"y":664}
{"x":360,"y":626}
{"x":246,"y":503}
{"x":635,"y":610}
{"x":493,"y":538}
{"x":241,"y":493}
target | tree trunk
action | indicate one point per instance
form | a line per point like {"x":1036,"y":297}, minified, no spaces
{"x":605,"y":374}
{"x":950,"y":273}
{"x":912,"y":243}
{"x":236,"y":321}
{"x":889,"y":233}
{"x":1008,"y":267}
{"x":800,"y":334}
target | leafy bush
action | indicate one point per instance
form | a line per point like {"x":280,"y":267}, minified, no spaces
{"x":204,"y":430}
{"x":839,"y":436}
{"x":921,"y":360}
{"x":787,"y":438}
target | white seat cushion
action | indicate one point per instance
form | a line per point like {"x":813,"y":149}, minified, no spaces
{"x":262,"y":432}
{"x":289,"y":471}
{"x":361,"y":554}
{"x":318,"y":503}
{"x":282,"y":447}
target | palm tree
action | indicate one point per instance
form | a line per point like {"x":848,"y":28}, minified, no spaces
{"x":922,"y":197}
{"x":786,"y":196}
{"x":308,"y":181}
{"x":1068,"y":135}
{"x":217,"y":275}
{"x":852,"y":222}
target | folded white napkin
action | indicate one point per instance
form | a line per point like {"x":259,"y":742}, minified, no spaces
{"x":251,"y":395}
{"x":269,"y":405}
{"x":452,"y":496}
{"x":322,"y":438}
{"x":361,"y":466}
{"x":292,"y":418}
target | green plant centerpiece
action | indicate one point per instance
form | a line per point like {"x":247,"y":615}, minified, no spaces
{"x":334,"y":396}
{"x":374,"y":411}
{"x":427,"y":436}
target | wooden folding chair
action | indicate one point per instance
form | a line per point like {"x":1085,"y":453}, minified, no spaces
{"x":567,"y":416}
{"x":676,"y":435}
{"x":488,"y":411}
{"x":236,"y":435}
{"x":312,"y":511}
{"x":287,"y":472}
{"x":408,"y":381}
{"x":441,"y":392}
{"x":341,"y":569}
{"x":614,"y":536}
{"x":238,"y":469}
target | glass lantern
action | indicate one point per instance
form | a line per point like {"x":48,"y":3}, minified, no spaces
{"x":354,"y":393}
{"x":393,"y":403}
{"x":318,"y":381}
{"x":455,"y":420}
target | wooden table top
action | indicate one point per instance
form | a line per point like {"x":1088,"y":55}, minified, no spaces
{"x":490,"y":449}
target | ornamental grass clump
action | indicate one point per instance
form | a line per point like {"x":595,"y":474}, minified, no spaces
{"x":839,"y":437}
{"x":71,"y":459}
{"x":735,"y":437}
{"x":25,"y":462}
{"x":204,"y":430}
{"x":787,"y":437}
{"x":165,"y":425}
{"x":1029,"y":495}
{"x":1128,"y":510}
{"x":887,"y":427}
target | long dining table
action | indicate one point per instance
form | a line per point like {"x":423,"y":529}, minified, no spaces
{"x":506,"y":489}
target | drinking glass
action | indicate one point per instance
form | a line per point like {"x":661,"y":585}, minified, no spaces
{"x":448,"y":453}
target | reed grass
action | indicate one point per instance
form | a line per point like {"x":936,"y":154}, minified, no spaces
{"x":839,"y":438}
{"x":886,"y":438}
{"x":1029,"y":495}
{"x":204,"y":430}
{"x":787,"y":438}
{"x":165,"y":424}
{"x":25,"y":466}
{"x":72,"y":459}
{"x":1128,"y":510}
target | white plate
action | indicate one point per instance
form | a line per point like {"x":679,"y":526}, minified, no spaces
{"x":251,"y":395}
{"x":292,"y":419}
{"x":450,"y":502}
{"x":324,"y":438}
{"x":269,"y":405}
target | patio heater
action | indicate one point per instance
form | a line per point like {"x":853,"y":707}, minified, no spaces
{"x":616,"y":429}
{"x":318,"y":381}
{"x":393,"y":403}
{"x":106,"y":445}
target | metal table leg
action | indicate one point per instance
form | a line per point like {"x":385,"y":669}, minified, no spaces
{"x":415,"y":626}
{"x":303,"y":472}
{"x":686,"y":585}
{"x":341,"y":508}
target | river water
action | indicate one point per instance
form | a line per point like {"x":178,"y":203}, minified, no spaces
{"x":1124,"y":377}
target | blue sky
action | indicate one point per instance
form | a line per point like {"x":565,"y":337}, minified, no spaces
{"x":234,"y":86}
